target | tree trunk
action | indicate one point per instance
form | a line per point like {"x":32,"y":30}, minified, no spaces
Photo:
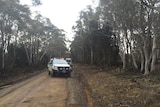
{"x":3,"y":50}
{"x":42,"y":56}
{"x":146,"y":72}
{"x":142,"y":60}
{"x":3,"y":57}
{"x":83,"y":55}
{"x":91,"y":55}
{"x":153,"y":54}
{"x":157,"y":53}
{"x":28,"y":58}
{"x":14,"y":57}
{"x":31,"y":52}
{"x":124,"y":60}
{"x":146,"y":65}
{"x":37,"y":52}
{"x":134,"y":61}
{"x":104,"y":57}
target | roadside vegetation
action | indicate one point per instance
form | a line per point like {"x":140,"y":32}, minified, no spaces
{"x":110,"y":88}
{"x":27,"y":40}
{"x":123,"y":32}
{"x":121,"y":38}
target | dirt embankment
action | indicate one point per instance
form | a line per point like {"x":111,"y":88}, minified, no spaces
{"x":116,"y":89}
{"x":76,"y":92}
{"x":18,"y":76}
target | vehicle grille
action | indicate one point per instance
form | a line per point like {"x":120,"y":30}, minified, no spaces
{"x":63,"y":68}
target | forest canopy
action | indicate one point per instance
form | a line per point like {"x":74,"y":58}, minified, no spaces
{"x":26,"y":40}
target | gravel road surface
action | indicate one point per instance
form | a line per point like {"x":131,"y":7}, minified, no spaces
{"x":43,"y":90}
{"x":39,"y":91}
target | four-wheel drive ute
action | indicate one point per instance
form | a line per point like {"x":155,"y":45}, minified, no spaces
{"x":58,"y":66}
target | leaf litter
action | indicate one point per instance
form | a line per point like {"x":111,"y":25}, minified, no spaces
{"x":113,"y":88}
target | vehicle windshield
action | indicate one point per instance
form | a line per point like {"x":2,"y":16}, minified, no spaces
{"x":59,"y":61}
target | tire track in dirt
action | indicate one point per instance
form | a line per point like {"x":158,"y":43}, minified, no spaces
{"x":41,"y":91}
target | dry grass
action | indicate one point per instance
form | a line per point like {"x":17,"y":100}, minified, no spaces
{"x":110,"y":90}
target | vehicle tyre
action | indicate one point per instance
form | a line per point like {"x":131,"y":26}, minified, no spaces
{"x":69,"y":75}
{"x":57,"y":74}
{"x":49,"y":73}
{"x":53,"y":74}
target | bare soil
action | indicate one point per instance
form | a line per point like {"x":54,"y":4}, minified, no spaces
{"x":89,"y":86}
{"x":18,"y":75}
{"x":42,"y":90}
{"x":113,"y":88}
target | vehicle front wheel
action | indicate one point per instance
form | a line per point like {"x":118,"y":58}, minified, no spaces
{"x":49,"y":73}
{"x":69,"y":74}
{"x":53,"y":74}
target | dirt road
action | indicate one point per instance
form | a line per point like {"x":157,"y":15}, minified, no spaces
{"x":39,"y":91}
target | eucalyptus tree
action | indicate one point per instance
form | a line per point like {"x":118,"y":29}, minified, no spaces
{"x":84,"y":29}
{"x":11,"y":16}
{"x":122,"y":15}
{"x":25,"y":40}
{"x":147,"y":20}
{"x":31,"y":40}
{"x":94,"y":43}
{"x":155,"y":28}
{"x":78,"y":50}
{"x":57,"y":47}
{"x":38,"y":37}
{"x":134,"y":20}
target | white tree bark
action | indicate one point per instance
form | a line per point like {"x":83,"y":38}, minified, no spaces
{"x":42,"y":56}
{"x":153,"y":54}
{"x":124,"y":60}
{"x":146,"y":72}
{"x":142,"y":60}
{"x":27,"y":53}
{"x":3,"y":57}
{"x":3,"y":50}
{"x":134,"y":61}
{"x":14,"y":53}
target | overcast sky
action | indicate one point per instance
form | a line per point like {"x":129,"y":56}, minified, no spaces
{"x":62,"y":13}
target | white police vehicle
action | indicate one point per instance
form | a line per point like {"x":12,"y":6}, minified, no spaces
{"x":57,"y":67}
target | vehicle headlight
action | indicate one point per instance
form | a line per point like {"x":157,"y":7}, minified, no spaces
{"x":55,"y":68}
{"x":67,"y":68}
